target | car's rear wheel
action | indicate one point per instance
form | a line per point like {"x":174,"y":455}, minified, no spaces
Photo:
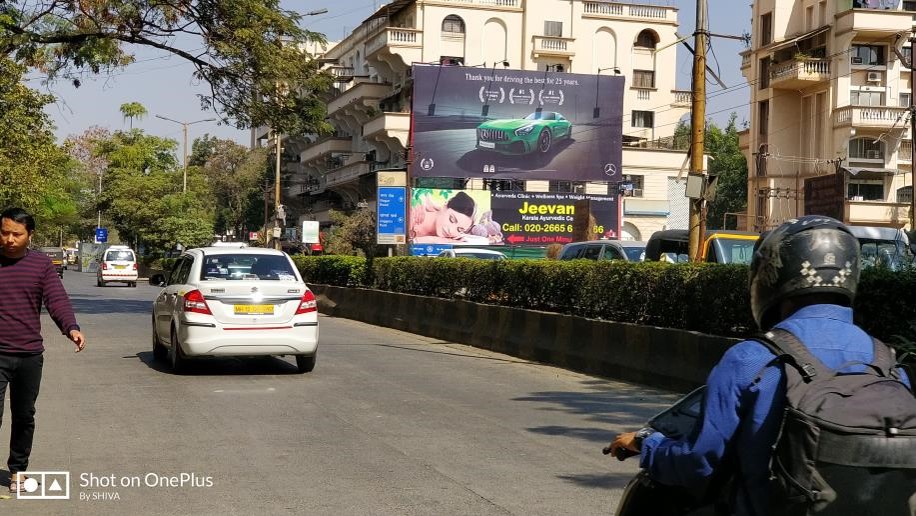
{"x":176,"y":357}
{"x":306,"y":363}
{"x":132,"y":284}
{"x":99,"y":282}
{"x":159,"y":351}
{"x":544,"y":141}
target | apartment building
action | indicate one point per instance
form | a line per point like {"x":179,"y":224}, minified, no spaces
{"x":370,"y":106}
{"x":830,"y":96}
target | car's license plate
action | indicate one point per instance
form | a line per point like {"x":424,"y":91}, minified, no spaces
{"x":254,"y":309}
{"x":120,"y":266}
{"x":488,"y":145}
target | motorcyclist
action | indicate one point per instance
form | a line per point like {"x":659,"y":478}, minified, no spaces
{"x":803,"y":279}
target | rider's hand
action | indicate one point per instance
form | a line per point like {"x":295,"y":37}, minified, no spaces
{"x":625,"y":441}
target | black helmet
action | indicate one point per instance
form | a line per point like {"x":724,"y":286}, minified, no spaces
{"x":809,"y":255}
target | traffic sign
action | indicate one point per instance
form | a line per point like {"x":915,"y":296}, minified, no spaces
{"x":428,"y":249}
{"x":392,"y":215}
{"x":101,"y":235}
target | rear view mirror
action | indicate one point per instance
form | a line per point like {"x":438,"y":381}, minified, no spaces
{"x":157,"y":280}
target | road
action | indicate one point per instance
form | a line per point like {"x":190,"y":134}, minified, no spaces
{"x":388,"y":423}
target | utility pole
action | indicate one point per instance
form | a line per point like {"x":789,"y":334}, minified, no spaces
{"x":697,"y":221}
{"x":277,"y":192}
{"x":184,"y":126}
{"x":912,"y":130}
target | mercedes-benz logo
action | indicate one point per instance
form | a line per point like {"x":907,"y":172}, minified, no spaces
{"x":610,"y":170}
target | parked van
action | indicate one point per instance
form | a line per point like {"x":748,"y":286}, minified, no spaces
{"x":888,"y":247}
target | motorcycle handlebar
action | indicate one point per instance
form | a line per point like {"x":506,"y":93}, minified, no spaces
{"x":621,"y":454}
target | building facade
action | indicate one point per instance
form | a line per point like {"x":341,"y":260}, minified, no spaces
{"x":830,"y":96}
{"x":370,"y":106}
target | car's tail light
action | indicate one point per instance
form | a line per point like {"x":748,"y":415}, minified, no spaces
{"x":308,"y":303}
{"x":194,"y":302}
{"x":135,"y":265}
{"x":104,"y":266}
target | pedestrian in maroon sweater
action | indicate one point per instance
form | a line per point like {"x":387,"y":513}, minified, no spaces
{"x":27,"y":281}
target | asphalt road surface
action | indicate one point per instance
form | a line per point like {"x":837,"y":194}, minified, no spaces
{"x":388,"y":423}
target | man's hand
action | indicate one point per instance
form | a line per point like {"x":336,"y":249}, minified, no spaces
{"x":77,"y":337}
{"x":624,"y":445}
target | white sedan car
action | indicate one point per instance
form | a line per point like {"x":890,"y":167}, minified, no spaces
{"x":220,"y":301}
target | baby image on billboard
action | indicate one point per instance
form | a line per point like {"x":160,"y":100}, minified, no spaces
{"x":516,"y":124}
{"x":440,"y":216}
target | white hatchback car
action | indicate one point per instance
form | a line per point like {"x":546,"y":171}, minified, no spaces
{"x":118,"y":264}
{"x":220,"y":301}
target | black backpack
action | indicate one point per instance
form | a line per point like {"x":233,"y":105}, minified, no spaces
{"x":847,"y":445}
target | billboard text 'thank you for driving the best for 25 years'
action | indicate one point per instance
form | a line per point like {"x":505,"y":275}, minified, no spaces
{"x":514,"y":124}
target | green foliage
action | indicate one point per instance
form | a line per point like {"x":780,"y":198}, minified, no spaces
{"x":132,"y":110}
{"x":233,"y":173}
{"x":729,"y":164}
{"x":241,"y":47}
{"x":710,"y":298}
{"x":33,"y":169}
{"x":352,"y":233}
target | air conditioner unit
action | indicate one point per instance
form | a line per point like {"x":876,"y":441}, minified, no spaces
{"x":873,"y":77}
{"x":856,"y":60}
{"x":873,"y":154}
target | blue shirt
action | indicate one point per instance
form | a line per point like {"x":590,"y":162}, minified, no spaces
{"x":745,"y":415}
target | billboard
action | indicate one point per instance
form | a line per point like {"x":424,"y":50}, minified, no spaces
{"x":477,"y":217}
{"x":390,"y":223}
{"x":514,"y":124}
{"x":825,"y":195}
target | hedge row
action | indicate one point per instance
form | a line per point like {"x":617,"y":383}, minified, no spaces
{"x":709,"y":298}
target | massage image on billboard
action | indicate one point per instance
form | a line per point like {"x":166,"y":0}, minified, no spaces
{"x":502,"y":124}
{"x":480,"y":217}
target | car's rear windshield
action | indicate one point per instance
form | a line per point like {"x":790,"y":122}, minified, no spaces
{"x":53,"y":252}
{"x":119,"y":256}
{"x":482,"y":256}
{"x":736,"y":250}
{"x":246,"y":266}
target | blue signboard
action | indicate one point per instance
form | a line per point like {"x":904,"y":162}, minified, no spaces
{"x":101,"y":235}
{"x":428,"y":249}
{"x":392,"y":215}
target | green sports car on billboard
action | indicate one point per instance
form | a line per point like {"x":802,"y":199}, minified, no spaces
{"x":534,"y":133}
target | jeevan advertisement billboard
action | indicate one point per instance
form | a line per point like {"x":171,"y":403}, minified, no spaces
{"x":478,"y":217}
{"x":501,"y":124}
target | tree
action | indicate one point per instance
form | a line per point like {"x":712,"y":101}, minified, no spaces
{"x":133,"y":110}
{"x":353,"y":232}
{"x":233,"y":173}
{"x":33,"y":169}
{"x":728,"y":163}
{"x":238,"y":47}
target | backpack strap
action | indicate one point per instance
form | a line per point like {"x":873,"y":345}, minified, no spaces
{"x":790,"y":350}
{"x":884,"y":359}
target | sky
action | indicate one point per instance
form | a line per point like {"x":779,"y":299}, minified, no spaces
{"x":165,"y":86}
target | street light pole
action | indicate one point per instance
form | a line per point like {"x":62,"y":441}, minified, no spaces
{"x":912,"y":131}
{"x":184,"y":126}
{"x":277,"y":244}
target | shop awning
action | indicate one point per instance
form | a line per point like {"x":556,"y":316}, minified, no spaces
{"x":858,"y":170}
{"x":789,"y":42}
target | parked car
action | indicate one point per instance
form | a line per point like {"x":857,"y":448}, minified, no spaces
{"x":467,"y":252}
{"x":888,"y":247}
{"x":118,"y":265}
{"x":222,"y":301}
{"x":720,"y":246}
{"x":56,"y":254}
{"x":629,"y":250}
{"x":534,"y":133}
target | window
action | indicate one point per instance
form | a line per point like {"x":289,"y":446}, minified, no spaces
{"x":865,"y":190}
{"x":909,"y":5}
{"x":866,"y":98}
{"x":553,"y":29}
{"x":868,"y":55}
{"x":646,"y":39}
{"x":866,"y":148}
{"x":451,"y":61}
{"x":904,"y":100}
{"x":763,"y":118}
{"x":122,"y":256}
{"x":822,"y":13}
{"x":638,"y":183}
{"x":453,"y":24}
{"x":766,"y":29}
{"x":905,"y":194}
{"x":643,"y":79}
{"x":246,"y":266}
{"x":809,"y":17}
{"x":764,"y":73}
{"x":642,"y":119}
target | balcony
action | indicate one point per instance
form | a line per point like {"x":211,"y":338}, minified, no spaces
{"x":361,"y":97}
{"x":405,"y":43}
{"x":553,"y":46}
{"x":388,"y":126}
{"x":607,"y":10}
{"x":347,"y":173}
{"x":873,"y":22}
{"x":905,"y":154}
{"x":682,"y":98}
{"x":868,"y":116}
{"x":342,"y":74}
{"x":322,"y":148}
{"x":799,"y":73}
{"x":746,"y":59}
{"x":870,"y":213}
{"x":499,"y":5}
